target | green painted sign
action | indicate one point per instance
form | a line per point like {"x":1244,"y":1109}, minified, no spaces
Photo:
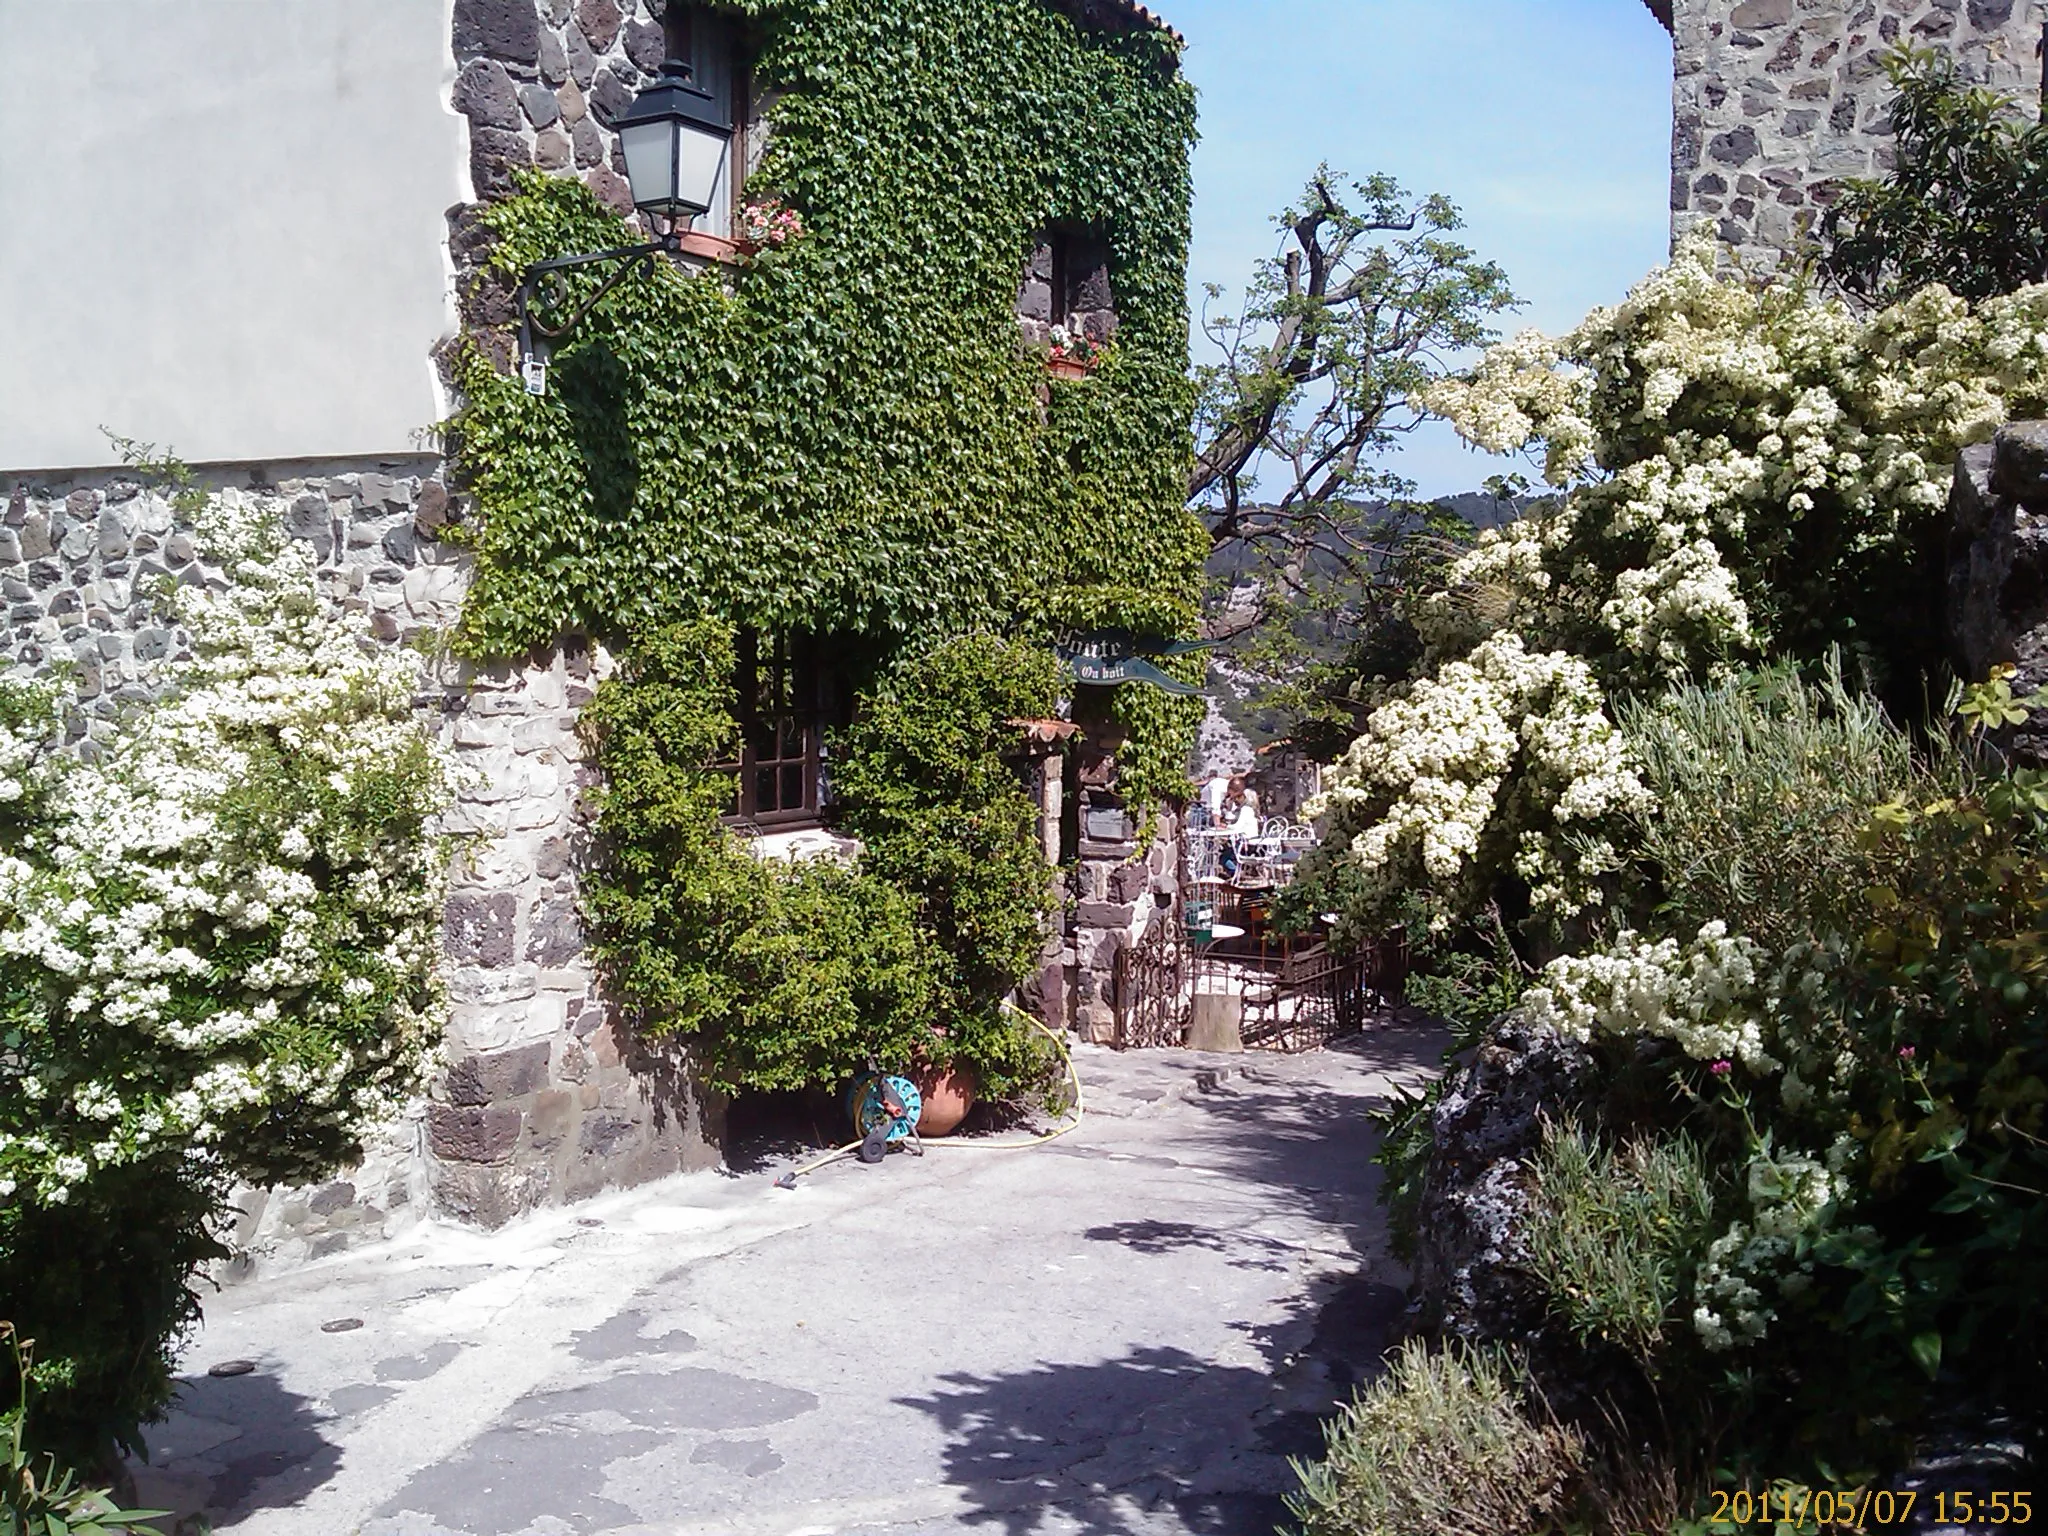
{"x":1107,"y":657}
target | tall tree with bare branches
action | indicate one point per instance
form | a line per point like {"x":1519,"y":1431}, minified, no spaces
{"x":1368,"y":297}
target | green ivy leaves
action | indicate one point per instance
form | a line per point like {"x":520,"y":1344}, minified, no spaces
{"x":852,"y":440}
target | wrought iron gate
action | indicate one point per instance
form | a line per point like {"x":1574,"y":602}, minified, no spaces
{"x":1153,"y":981}
{"x":1318,"y":994}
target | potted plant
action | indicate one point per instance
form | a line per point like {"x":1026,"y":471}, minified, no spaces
{"x":764,"y":224}
{"x":1072,"y":355}
{"x":947,"y":1092}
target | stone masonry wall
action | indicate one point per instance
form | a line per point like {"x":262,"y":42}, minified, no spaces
{"x":1116,"y":888}
{"x":542,"y":80}
{"x":1774,"y":99}
{"x":544,"y":1096}
{"x":537,"y":81}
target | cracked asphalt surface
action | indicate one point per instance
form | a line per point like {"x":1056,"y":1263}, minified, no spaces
{"x":1126,"y":1330}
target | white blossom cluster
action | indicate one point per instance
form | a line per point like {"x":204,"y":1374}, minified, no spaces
{"x":1707,"y":996}
{"x":1415,"y":796}
{"x":219,"y":937}
{"x":1684,"y":422}
{"x":1793,"y":1198}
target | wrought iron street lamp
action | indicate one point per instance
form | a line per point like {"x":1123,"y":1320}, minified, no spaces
{"x":675,"y":137}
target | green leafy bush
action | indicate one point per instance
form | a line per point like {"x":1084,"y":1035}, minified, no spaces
{"x":785,"y":976}
{"x":928,"y":779}
{"x":1948,"y":1101}
{"x":1406,"y":1139}
{"x":1614,"y":1234}
{"x":1441,"y":1445}
{"x":794,"y":975}
{"x":1763,"y":786}
{"x":37,"y":1496}
{"x":1965,"y":203}
{"x":1804,"y":941}
{"x":1873,"y":1088}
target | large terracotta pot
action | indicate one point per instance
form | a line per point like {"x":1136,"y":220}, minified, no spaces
{"x":948,"y":1096}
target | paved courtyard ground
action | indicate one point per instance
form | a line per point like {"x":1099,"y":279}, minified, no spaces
{"x":1126,"y":1330}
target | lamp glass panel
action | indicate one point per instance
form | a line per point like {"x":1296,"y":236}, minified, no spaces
{"x":700,"y":164}
{"x":650,"y":162}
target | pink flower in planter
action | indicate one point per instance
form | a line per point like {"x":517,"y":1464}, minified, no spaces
{"x":767,"y":224}
{"x":1070,"y":344}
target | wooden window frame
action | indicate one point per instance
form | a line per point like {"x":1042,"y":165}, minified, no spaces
{"x":803,"y":717}
{"x":720,"y":246}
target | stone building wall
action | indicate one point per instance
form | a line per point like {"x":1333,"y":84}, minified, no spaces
{"x":540,"y":81}
{"x":1774,"y":99}
{"x":1120,"y":887}
{"x":544,"y":1096}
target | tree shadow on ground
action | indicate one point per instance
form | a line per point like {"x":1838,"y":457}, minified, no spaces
{"x":1246,"y":1250}
{"x":1312,"y":1145}
{"x":1160,"y":1440}
{"x":233,"y":1447}
{"x":1158,"y":1433}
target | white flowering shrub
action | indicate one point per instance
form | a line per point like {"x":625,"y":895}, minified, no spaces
{"x":218,"y":936}
{"x":231,"y":916}
{"x":1724,"y":1001}
{"x":1741,"y":470}
{"x":1484,"y":764}
{"x":1741,"y":466}
{"x":1822,"y":959}
{"x":1793,"y":1200}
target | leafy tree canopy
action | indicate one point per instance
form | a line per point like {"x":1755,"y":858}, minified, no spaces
{"x":1965,"y":205}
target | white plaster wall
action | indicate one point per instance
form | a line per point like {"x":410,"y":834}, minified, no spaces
{"x":222,"y":226}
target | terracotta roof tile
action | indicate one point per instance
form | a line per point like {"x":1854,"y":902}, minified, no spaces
{"x":1126,"y":15}
{"x":1045,"y":732}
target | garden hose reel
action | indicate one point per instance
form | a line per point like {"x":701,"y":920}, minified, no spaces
{"x":884,"y":1110}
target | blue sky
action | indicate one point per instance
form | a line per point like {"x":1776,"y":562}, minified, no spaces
{"x":1547,"y":121}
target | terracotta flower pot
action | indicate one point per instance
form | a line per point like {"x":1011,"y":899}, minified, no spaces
{"x":1066,"y":368}
{"x":948,"y":1095}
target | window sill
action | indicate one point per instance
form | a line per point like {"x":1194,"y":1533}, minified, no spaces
{"x":804,"y":843}
{"x":708,"y":248}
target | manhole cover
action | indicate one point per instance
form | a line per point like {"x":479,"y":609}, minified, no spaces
{"x":231,"y":1368}
{"x":341,"y":1325}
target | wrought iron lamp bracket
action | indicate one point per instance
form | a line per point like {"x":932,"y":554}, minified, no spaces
{"x":543,"y":290}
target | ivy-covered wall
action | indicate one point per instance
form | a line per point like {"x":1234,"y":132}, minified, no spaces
{"x":850,"y":434}
{"x":846,"y":435}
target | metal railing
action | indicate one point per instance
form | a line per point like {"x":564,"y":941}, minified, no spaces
{"x":1320,"y":994}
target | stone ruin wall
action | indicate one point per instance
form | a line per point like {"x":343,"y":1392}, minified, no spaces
{"x":1774,"y":99}
{"x":544,"y":1096}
